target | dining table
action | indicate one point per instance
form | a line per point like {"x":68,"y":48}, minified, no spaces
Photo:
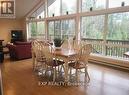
{"x":66,"y":54}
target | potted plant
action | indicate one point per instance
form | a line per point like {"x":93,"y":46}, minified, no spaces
{"x":58,"y":42}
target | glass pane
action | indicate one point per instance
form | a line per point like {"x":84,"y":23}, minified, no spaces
{"x":68,"y":6}
{"x":41,"y":15}
{"x":57,"y":32}
{"x":40,"y":12}
{"x":88,"y":5}
{"x":92,"y":27}
{"x":51,"y":30}
{"x":33,"y":29}
{"x":118,"y":26}
{"x":64,"y":29}
{"x":54,"y":8}
{"x":41,"y":29}
{"x":68,"y":28}
{"x":118,"y":3}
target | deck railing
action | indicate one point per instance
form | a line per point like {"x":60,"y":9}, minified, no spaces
{"x":113,"y":48}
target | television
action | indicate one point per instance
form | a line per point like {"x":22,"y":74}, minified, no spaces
{"x":16,"y":35}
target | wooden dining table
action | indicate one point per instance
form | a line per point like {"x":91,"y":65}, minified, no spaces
{"x":65,"y":54}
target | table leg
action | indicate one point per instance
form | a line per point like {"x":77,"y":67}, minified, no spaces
{"x":66,"y":70}
{"x":33,"y":60}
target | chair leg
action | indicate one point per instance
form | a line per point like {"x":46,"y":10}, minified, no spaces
{"x":62,"y":67}
{"x":77,"y":75}
{"x":54,"y":74}
{"x":43,"y":68}
{"x":46,"y":70}
{"x":87,"y":77}
{"x":34,"y":66}
{"x":70,"y":73}
{"x":34,"y":61}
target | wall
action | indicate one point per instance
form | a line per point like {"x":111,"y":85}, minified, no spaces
{"x":6,"y":25}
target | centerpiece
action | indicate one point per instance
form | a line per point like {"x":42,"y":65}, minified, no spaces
{"x":58,"y":42}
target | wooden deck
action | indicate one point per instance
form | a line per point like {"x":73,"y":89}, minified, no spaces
{"x":19,"y":79}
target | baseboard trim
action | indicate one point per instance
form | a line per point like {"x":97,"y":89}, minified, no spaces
{"x":110,"y":65}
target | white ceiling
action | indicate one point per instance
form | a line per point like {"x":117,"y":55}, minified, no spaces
{"x":25,"y":6}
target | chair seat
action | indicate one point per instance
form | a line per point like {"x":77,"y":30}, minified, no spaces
{"x":76,"y":65}
{"x":55,"y":63}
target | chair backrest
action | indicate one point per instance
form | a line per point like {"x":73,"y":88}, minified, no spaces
{"x":36,"y":44}
{"x":84,"y":52}
{"x":37,"y":47}
{"x":48,"y":52}
{"x":70,"y":43}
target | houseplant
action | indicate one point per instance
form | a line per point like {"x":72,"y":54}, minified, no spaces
{"x":58,"y":42}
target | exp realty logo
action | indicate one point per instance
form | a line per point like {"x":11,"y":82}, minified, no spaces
{"x":7,"y":8}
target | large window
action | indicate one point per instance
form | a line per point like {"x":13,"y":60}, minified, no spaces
{"x":53,"y":8}
{"x":118,"y":26}
{"x":92,"y":27}
{"x":36,"y":30}
{"x":103,"y":23}
{"x":89,"y":5}
{"x":68,"y":6}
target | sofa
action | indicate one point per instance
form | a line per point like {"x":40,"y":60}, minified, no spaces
{"x":20,"y":50}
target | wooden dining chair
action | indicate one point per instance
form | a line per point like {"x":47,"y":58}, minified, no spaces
{"x":69,"y":43}
{"x":52,"y":61}
{"x":33,"y":51}
{"x":81,"y":61}
{"x":38,"y":55}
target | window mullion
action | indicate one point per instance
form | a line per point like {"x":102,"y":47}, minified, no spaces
{"x":60,"y":7}
{"x":107,"y":4}
{"x":105,"y":34}
{"x":77,"y":28}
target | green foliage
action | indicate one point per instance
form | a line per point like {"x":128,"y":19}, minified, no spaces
{"x":33,"y":29}
{"x":58,"y":42}
{"x":118,"y":26}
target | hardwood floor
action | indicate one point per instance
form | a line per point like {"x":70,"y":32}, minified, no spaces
{"x":19,"y":79}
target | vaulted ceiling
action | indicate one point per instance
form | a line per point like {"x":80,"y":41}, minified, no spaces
{"x":25,"y":6}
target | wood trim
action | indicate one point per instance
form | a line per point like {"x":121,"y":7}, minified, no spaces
{"x":108,"y":64}
{"x":34,"y":8}
{"x":119,"y":63}
{"x":105,"y":11}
